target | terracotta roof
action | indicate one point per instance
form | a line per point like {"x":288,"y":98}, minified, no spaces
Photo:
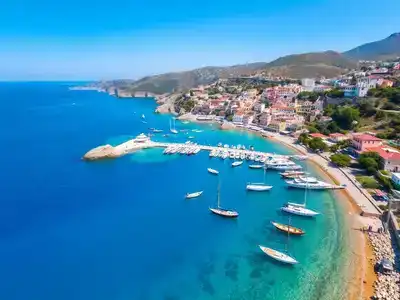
{"x":385,"y":152}
{"x":318,"y":135}
{"x":366,"y":137}
{"x":336,"y":134}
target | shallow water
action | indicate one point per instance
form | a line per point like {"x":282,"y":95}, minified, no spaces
{"x":121,"y":229}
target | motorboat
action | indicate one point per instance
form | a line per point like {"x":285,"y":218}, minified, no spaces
{"x":256,"y":166}
{"x":237,"y":155}
{"x":193,"y":195}
{"x":284,"y":167}
{"x":292,"y":174}
{"x":242,"y":156}
{"x":311,"y":183}
{"x":288,"y":228}
{"x":279,"y":256}
{"x":232,"y":155}
{"x":237,"y":163}
{"x":212,"y":171}
{"x":258,"y":187}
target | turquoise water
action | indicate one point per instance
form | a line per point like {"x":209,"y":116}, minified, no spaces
{"x":121,"y":229}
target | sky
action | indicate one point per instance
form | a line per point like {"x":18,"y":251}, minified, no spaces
{"x":93,"y":40}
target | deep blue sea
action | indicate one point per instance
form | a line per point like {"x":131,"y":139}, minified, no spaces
{"x":121,"y":229}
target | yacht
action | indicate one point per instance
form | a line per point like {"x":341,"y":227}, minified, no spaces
{"x":277,"y":255}
{"x":237,"y":155}
{"x":212,"y":171}
{"x":232,"y":155}
{"x":225,"y":155}
{"x":242,"y":156}
{"x":255,"y":166}
{"x":285,"y":167}
{"x":311,"y":183}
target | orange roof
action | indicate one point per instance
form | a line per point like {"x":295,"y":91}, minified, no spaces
{"x":336,"y":134}
{"x":385,"y":152}
{"x":366,"y":137}
{"x":318,"y":135}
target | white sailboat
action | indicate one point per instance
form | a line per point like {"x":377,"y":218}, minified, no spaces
{"x":227,"y":213}
{"x":299,"y":208}
{"x":172,"y":129}
{"x":283,"y":257}
{"x":258,"y":187}
{"x":193,"y":195}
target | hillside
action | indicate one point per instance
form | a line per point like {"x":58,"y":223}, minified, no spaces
{"x":327,"y":64}
{"x":169,"y":82}
{"x":384,"y":49}
{"x":315,"y":64}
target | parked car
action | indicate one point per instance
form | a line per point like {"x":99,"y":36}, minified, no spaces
{"x":384,"y":266}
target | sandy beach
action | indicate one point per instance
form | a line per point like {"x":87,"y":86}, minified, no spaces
{"x":360,"y":269}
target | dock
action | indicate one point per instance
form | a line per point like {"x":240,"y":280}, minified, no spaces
{"x":144,"y":142}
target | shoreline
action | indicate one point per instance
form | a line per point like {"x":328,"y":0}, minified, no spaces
{"x":361,"y":276}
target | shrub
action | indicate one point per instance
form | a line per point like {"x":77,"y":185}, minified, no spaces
{"x":368,"y":182}
{"x":341,"y":160}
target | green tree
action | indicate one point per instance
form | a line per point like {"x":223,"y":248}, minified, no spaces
{"x":366,"y":108}
{"x":334,"y":148}
{"x":303,"y":138}
{"x":335,"y":93}
{"x":370,"y":161}
{"x":341,"y":160}
{"x":317,"y":144}
{"x":346,"y":117}
{"x":329,"y":110}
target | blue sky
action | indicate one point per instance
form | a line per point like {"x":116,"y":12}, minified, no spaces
{"x":90,"y":40}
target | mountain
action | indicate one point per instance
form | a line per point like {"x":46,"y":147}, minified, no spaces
{"x":316,"y":64}
{"x":169,"y":82}
{"x":380,"y":50}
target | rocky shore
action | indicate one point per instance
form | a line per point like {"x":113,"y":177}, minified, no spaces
{"x":387,"y":287}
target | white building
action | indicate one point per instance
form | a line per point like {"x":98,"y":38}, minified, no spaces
{"x":308,"y":84}
{"x":396,"y":178}
{"x":237,"y":118}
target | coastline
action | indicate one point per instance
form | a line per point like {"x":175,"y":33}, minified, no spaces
{"x":360,"y":271}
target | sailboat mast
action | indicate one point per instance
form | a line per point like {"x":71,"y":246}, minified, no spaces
{"x":288,"y":233}
{"x":218,"y":195}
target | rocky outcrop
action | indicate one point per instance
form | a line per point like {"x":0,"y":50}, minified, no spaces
{"x":105,"y":151}
{"x":387,"y":287}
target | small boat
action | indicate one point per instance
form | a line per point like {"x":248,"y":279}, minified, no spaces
{"x":144,"y":122}
{"x":227,"y":213}
{"x":157,"y":130}
{"x":143,"y":117}
{"x":242,"y":156}
{"x":258,"y":187}
{"x":291,"y":174}
{"x":255,"y":166}
{"x":236,"y":163}
{"x":282,"y":257}
{"x":190,"y":137}
{"x":212,"y":171}
{"x":231,"y":155}
{"x":288,"y":228}
{"x":185,"y":122}
{"x":193,"y":195}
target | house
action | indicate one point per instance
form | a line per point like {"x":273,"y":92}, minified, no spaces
{"x":276,"y":126}
{"x":396,"y":179}
{"x":238,"y":117}
{"x":361,"y":142}
{"x":337,"y":137}
{"x":384,"y":83}
{"x":318,"y":135}
{"x":390,"y":157}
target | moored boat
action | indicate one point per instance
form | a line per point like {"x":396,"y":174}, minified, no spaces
{"x":299,"y":210}
{"x":279,"y":256}
{"x":212,"y":171}
{"x":237,"y":163}
{"x":288,"y":228}
{"x":258,"y":187}
{"x":227,"y":213}
{"x":255,"y":166}
{"x":193,"y":195}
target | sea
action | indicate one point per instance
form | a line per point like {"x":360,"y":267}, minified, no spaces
{"x":121,"y":229}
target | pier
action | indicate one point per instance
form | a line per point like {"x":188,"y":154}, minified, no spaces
{"x":144,"y":142}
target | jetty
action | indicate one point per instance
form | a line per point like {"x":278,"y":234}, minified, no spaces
{"x":144,"y":142}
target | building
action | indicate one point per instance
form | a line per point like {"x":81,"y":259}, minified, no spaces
{"x":396,"y":178}
{"x":305,"y":107}
{"x":337,"y":137}
{"x":390,"y":157}
{"x":361,"y":142}
{"x":308,"y":84}
{"x":322,"y":88}
{"x":276,"y":126}
{"x":318,"y":135}
{"x":238,"y":117}
{"x":384,"y":83}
